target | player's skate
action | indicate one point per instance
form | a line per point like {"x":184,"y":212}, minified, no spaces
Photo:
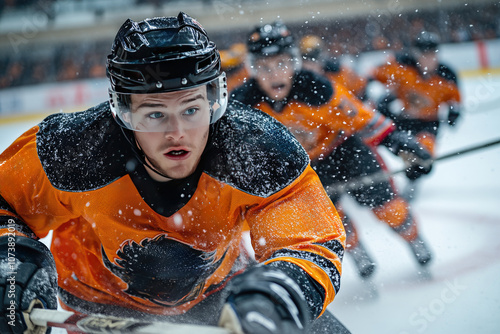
{"x":420,"y":250}
{"x":363,"y":262}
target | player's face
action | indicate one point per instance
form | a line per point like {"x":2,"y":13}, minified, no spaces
{"x":175,"y":151}
{"x":275,"y":75}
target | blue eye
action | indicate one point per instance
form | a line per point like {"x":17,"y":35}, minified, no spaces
{"x":191,"y":111}
{"x":156,"y":115}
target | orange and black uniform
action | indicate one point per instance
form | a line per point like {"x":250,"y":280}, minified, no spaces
{"x":335,"y":128}
{"x":126,"y":244}
{"x":421,"y":95}
{"x":347,"y":77}
{"x":233,"y":64}
{"x":236,"y":76}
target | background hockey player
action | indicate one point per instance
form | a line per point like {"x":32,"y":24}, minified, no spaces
{"x":233,"y":64}
{"x":333,"y":127}
{"x":419,"y":86}
{"x":318,"y":58}
{"x":147,"y":194}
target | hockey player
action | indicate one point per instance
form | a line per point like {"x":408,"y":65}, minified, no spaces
{"x":419,"y":86}
{"x":147,"y":194}
{"x":333,"y":127}
{"x":314,"y":58}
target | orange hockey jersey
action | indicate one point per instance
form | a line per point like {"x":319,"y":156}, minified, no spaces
{"x":345,"y":76}
{"x":319,"y":114}
{"x":122,"y":239}
{"x":236,"y":77}
{"x":421,"y":95}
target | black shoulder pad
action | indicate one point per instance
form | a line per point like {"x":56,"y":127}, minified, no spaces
{"x":311,"y":88}
{"x":248,"y":93}
{"x":83,"y":150}
{"x":253,"y":152}
{"x":404,"y":58}
{"x":332,"y":65}
{"x":447,"y":73}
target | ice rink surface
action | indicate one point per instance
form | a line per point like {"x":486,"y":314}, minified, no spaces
{"x":458,"y":211}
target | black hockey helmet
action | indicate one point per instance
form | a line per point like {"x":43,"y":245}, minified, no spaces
{"x":426,"y":41}
{"x":163,"y":54}
{"x":270,"y":39}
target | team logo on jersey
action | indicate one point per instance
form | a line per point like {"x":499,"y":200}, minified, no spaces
{"x":418,"y":103}
{"x":163,"y":270}
{"x":348,"y":108}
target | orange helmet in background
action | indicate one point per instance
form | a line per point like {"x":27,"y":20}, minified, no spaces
{"x":234,"y":56}
{"x":311,"y":47}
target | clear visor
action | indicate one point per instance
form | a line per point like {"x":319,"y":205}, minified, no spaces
{"x":290,"y":62}
{"x":185,"y":109}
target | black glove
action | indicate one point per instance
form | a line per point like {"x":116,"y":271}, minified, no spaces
{"x":453,"y":115}
{"x":416,"y":171}
{"x":384,"y":106}
{"x":415,"y":155}
{"x":265,"y":300}
{"x":27,"y":279}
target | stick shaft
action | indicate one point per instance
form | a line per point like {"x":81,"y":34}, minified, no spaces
{"x":104,"y":324}
{"x":338,"y":187}
{"x":467,"y":150}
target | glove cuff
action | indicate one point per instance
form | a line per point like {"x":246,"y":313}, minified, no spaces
{"x":33,"y":257}
{"x":277,"y":286}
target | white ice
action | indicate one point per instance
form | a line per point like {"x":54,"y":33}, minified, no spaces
{"x":458,"y":210}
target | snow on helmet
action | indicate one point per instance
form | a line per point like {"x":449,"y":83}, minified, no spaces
{"x":270,"y":40}
{"x":160,"y":55}
{"x":426,"y":42}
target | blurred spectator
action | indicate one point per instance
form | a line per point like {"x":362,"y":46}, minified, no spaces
{"x":342,"y":36}
{"x":69,"y":71}
{"x":13,"y":74}
{"x":39,"y":73}
{"x":94,"y":66}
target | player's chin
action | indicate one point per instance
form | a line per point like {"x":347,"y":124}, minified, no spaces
{"x":180,"y":171}
{"x":279,"y":96}
{"x":280,"y":93}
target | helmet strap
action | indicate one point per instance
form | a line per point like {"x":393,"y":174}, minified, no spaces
{"x":139,"y":153}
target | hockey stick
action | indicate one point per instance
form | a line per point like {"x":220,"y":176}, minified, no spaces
{"x":380,"y":176}
{"x":82,"y":323}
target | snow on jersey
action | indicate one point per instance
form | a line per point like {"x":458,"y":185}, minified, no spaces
{"x":123,"y":239}
{"x":421,"y":95}
{"x":320,"y":114}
